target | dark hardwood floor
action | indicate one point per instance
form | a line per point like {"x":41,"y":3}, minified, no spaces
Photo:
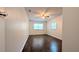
{"x":43,"y":43}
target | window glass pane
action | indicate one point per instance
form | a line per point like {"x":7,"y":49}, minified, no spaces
{"x":54,"y":25}
{"x":38,"y":26}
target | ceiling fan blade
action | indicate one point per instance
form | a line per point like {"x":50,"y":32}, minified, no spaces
{"x":54,"y":14}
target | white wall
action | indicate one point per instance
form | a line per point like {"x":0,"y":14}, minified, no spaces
{"x":2,"y":35}
{"x":55,"y":32}
{"x":37,"y":32}
{"x":17,"y":29}
{"x":71,"y":29}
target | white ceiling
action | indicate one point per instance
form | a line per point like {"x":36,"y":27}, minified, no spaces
{"x":35,"y":13}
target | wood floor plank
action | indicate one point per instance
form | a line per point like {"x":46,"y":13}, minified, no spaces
{"x":43,"y":43}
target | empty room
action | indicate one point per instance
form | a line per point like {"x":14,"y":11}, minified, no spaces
{"x":39,"y":29}
{"x":31,"y":29}
{"x":45,"y":29}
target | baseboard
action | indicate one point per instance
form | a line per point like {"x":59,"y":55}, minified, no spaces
{"x":48,"y":35}
{"x":54,"y":37}
{"x":25,"y":43}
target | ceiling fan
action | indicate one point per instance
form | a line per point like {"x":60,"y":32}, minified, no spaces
{"x":43,"y":14}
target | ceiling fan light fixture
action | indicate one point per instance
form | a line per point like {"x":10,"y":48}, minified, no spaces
{"x":42,"y":16}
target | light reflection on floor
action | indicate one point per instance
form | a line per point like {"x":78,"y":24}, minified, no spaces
{"x":54,"y":46}
{"x":38,"y":43}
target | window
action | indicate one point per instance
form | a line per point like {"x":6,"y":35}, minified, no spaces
{"x":38,"y":26}
{"x":54,"y":25}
